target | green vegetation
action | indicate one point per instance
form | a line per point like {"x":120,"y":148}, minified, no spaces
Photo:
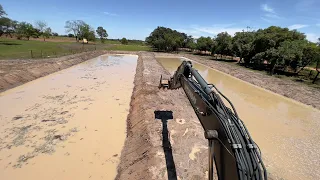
{"x":274,"y":49}
{"x":19,"y":49}
{"x":129,"y":47}
{"x":166,"y":39}
{"x":124,"y":41}
{"x":2,"y":12}
{"x":102,"y":33}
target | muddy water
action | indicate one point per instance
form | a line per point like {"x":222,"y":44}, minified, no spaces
{"x":68,"y":125}
{"x":286,"y":131}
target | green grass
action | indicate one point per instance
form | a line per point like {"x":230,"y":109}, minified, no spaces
{"x":21,"y":49}
{"x":121,"y":47}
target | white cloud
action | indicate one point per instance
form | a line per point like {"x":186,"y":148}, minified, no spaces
{"x":196,"y":31}
{"x":312,"y":37}
{"x":272,"y":16}
{"x":216,"y":30}
{"x":267,"y":8}
{"x":298,"y":26}
{"x":267,"y":20}
{"x":110,"y":14}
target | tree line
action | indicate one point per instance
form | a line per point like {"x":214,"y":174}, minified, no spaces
{"x":76,"y":28}
{"x":274,"y":48}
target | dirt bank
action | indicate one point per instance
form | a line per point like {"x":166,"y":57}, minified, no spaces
{"x":161,"y":149}
{"x":17,"y":72}
{"x":294,"y":90}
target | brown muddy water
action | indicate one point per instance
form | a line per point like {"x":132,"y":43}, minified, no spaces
{"x":68,"y":125}
{"x":286,"y":131}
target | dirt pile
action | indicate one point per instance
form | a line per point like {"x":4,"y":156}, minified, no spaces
{"x":172,"y":148}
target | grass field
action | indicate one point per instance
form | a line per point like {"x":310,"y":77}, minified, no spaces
{"x":23,"y":49}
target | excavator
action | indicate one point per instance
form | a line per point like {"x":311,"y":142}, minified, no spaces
{"x":231,"y":149}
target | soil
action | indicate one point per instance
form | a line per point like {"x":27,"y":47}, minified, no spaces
{"x":288,"y":88}
{"x":172,"y":148}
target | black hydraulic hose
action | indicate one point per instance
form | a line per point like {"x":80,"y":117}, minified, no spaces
{"x":253,"y":152}
{"x":233,"y":108}
{"x":250,"y":156}
{"x":245,"y":150}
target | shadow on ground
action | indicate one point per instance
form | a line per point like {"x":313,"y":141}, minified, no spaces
{"x":8,"y":43}
{"x":164,"y":116}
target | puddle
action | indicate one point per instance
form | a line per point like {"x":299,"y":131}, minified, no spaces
{"x":68,"y":125}
{"x":286,"y":131}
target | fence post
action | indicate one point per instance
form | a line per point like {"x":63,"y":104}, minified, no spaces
{"x":95,"y":47}
{"x":31,"y":54}
{"x":41,"y":54}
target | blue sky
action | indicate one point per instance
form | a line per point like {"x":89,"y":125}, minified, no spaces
{"x":135,"y":19}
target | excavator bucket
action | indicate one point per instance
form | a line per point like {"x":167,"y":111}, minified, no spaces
{"x":164,"y":83}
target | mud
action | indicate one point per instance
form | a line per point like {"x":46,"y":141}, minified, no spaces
{"x":68,"y":125}
{"x":288,"y":88}
{"x":17,"y":72}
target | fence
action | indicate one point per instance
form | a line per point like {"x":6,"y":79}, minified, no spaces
{"x":53,"y":52}
{"x":57,"y":53}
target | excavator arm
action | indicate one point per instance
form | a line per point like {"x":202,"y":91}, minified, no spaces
{"x":231,"y":148}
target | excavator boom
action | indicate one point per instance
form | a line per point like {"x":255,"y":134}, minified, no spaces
{"x":231,"y":148}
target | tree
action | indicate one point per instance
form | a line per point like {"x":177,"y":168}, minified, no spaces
{"x":2,"y":12}
{"x":86,"y":32}
{"x":55,"y":34}
{"x":124,"y":41}
{"x":204,"y":44}
{"x":47,"y":33}
{"x":166,"y":39}
{"x":223,"y":44}
{"x":190,"y":43}
{"x":70,"y":35}
{"x":74,"y":26}
{"x":291,"y":53}
{"x":42,"y":26}
{"x":25,"y":29}
{"x":102,"y":33}
{"x":310,"y":55}
{"x":242,"y":44}
{"x":272,"y":37}
{"x":6,"y":26}
{"x":318,"y":71}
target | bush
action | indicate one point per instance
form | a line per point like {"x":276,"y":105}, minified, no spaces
{"x":124,"y":41}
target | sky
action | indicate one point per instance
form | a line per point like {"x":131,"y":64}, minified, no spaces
{"x":136,"y":19}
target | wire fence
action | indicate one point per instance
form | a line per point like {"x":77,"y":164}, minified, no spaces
{"x":48,"y":53}
{"x":52,"y":53}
